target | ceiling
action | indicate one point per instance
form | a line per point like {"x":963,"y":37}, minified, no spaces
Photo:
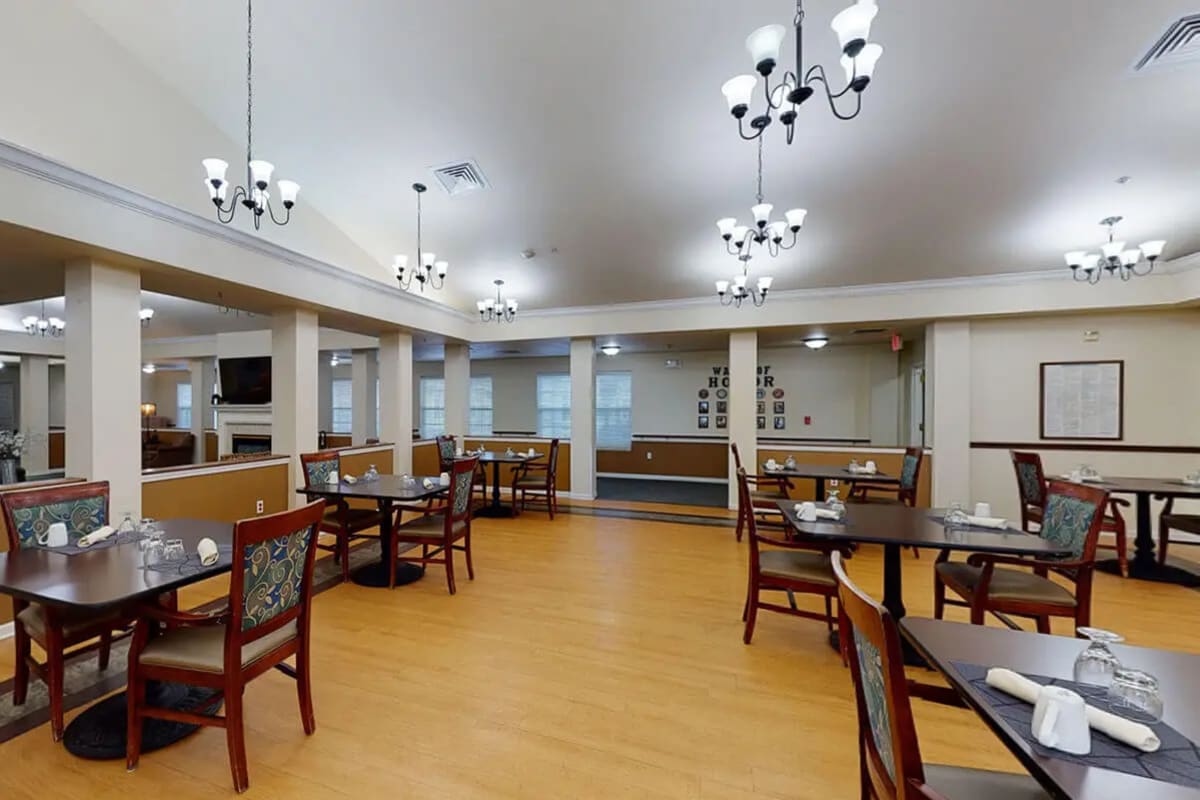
{"x":990,"y":141}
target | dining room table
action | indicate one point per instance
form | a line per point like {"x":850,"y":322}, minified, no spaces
{"x":897,"y":527}
{"x":496,"y":508}
{"x":114,"y":575}
{"x":962,"y":653}
{"x":821,"y":473}
{"x":389,"y":493}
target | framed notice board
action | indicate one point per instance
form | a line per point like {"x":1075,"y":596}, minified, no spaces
{"x":1082,"y":400}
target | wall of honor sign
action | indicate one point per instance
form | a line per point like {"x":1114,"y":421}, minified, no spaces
{"x":720,"y":377}
{"x":709,"y":415}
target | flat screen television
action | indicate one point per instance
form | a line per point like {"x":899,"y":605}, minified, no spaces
{"x":245,"y":381}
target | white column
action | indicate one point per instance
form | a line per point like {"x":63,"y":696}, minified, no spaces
{"x":324,"y":392}
{"x":103,"y":345}
{"x":456,"y":370}
{"x":294,"y":389}
{"x":35,"y":412}
{"x":206,"y":404}
{"x":364,"y":370}
{"x":583,"y":418}
{"x":743,"y":425}
{"x":197,"y":367}
{"x":948,"y":415}
{"x":396,"y":397}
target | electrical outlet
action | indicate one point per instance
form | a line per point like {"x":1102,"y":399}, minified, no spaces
{"x":258,"y":506}
{"x":833,"y":482}
{"x":649,"y":456}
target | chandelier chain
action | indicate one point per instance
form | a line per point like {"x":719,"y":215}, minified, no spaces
{"x":249,"y":81}
{"x":760,"y":169}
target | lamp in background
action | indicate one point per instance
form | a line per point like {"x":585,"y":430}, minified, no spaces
{"x":148,"y":411}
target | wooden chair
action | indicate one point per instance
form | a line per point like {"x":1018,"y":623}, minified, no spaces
{"x":268,"y":620}
{"x":890,"y":764}
{"x":790,"y":565}
{"x":1031,"y":485}
{"x":441,"y":528}
{"x":84,"y":508}
{"x":765,"y":493}
{"x":340,"y":520}
{"x":1073,"y":516}
{"x":538,"y":478}
{"x":1168,"y":521}
{"x":447,"y":447}
{"x":905,"y":492}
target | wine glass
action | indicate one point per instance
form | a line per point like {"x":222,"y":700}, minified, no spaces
{"x":956,"y":516}
{"x":835,"y":504}
{"x":1097,"y":663}
{"x":1135,"y":695}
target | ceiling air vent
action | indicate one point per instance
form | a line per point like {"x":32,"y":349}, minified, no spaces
{"x":460,"y":177}
{"x":1179,"y":44}
{"x":866,"y":331}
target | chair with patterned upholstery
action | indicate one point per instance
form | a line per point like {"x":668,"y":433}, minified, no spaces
{"x":267,"y":620}
{"x":1031,"y":486}
{"x":27,"y":514}
{"x":447,"y":447}
{"x":905,"y":492}
{"x":1073,"y":516}
{"x":342,"y":521}
{"x":765,"y":493}
{"x":438,"y":531}
{"x":538,"y":479}
{"x":890,"y":764}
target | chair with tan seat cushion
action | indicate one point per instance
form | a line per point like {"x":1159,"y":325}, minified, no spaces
{"x":539,"y":480}
{"x":1004,"y":585}
{"x":762,"y":502}
{"x":344,"y":523}
{"x":267,"y":621}
{"x":438,"y":532}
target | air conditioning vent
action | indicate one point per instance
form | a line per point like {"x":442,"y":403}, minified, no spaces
{"x":1180,"y":44}
{"x":867,"y":331}
{"x":460,"y":177}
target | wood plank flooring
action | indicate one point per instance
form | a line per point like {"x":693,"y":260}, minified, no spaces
{"x":592,"y":657}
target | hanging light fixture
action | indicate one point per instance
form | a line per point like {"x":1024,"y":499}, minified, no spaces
{"x":430,"y":270}
{"x":497,"y":310}
{"x":1114,"y":258}
{"x":254,"y":195}
{"x":859,"y":57}
{"x":145,"y":315}
{"x":43,"y":325}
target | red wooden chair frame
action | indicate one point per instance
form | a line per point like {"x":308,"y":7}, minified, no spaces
{"x":346,"y":524}
{"x":762,"y":499}
{"x":550,"y":490}
{"x":443,"y":537}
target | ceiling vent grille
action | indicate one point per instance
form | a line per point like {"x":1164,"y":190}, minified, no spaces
{"x":1179,"y":44}
{"x":867,"y":331}
{"x":460,"y":177}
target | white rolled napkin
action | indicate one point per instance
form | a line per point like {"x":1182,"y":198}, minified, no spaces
{"x":806,"y":511}
{"x":206,"y":548}
{"x":999,"y":523}
{"x":1131,"y":733}
{"x":771,"y":464}
{"x":825,"y":513}
{"x":427,"y":483}
{"x":96,"y":536}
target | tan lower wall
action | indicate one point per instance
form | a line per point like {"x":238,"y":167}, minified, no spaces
{"x":887,"y":462}
{"x":541,"y":445}
{"x":223,"y":496}
{"x":685,"y":459}
{"x":425,"y":459}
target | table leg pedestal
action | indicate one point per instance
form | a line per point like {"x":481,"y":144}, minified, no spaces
{"x":893,"y":601}
{"x":496,"y":508}
{"x":98,"y":732}
{"x":376,"y":574}
{"x":1144,"y":565}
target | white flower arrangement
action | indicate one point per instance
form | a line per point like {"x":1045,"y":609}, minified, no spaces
{"x":12,"y":444}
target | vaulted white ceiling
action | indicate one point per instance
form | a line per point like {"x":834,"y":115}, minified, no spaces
{"x":990,"y":141}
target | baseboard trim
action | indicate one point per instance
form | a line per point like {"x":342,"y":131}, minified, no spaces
{"x":634,"y":476}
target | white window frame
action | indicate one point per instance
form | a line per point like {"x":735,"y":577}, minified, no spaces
{"x":614,"y":423}
{"x":481,"y":417}
{"x":433,"y":416}
{"x":179,"y":406}
{"x":553,"y":421}
{"x":341,"y":418}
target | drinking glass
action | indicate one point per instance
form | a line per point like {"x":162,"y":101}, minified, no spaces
{"x":853,"y":465}
{"x":835,"y":504}
{"x":1087,"y":472}
{"x":1097,"y":664}
{"x":152,"y":551}
{"x":790,"y":462}
{"x":956,"y":516}
{"x":173,"y":550}
{"x":371,"y":474}
{"x":1135,"y":695}
{"x":150,"y":539}
{"x":147,"y":525}
{"x":1193,"y":477}
{"x":127,"y":524}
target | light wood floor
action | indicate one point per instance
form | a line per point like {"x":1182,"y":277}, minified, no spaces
{"x":591,"y":658}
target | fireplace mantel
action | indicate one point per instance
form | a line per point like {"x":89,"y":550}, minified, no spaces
{"x":240,"y":419}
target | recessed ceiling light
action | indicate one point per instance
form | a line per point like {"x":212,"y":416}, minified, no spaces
{"x":610,"y":349}
{"x":816,"y":342}
{"x":333,"y":362}
{"x":1124,"y":179}
{"x":148,"y":369}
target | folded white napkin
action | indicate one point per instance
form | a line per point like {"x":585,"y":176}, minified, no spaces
{"x":825,"y":513}
{"x":1066,"y":476}
{"x":96,"y":536}
{"x":350,"y":479}
{"x":1131,"y":733}
{"x":771,"y":465}
{"x":987,"y":522}
{"x":428,"y":484}
{"x":207,"y":550}
{"x":859,"y":469}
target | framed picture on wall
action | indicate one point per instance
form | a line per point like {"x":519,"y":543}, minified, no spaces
{"x":1082,"y":400}
{"x":702,"y":407}
{"x":780,"y":423}
{"x":702,"y":422}
{"x":779,"y":406}
{"x":761,"y":407}
{"x":722,"y":407}
{"x":762,"y":423}
{"x":761,"y":393}
{"x":722,"y":422}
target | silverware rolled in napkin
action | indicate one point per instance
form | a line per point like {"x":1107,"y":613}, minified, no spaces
{"x":998,"y":523}
{"x":96,"y":536}
{"x":428,"y":484}
{"x":207,"y":550}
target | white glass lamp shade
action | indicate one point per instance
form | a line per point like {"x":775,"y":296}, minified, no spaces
{"x":512,"y":306}
{"x":146,"y":314}
{"x":738,"y":92}
{"x":1131,"y":257}
{"x":853,"y":26}
{"x":57,"y":324}
{"x":148,"y":369}
{"x":399,"y":263}
{"x":763,"y":46}
{"x":1153,"y":249}
{"x":216,"y":193}
{"x":1090,"y":261}
{"x":739,"y":234}
{"x":816,"y":342}
{"x":764,"y":283}
{"x":215,"y":168}
{"x":1075,"y":258}
{"x":726,"y":226}
{"x":42,"y":324}
{"x":260,"y":173}
{"x":762,"y":213}
{"x":722,"y":287}
{"x":777,"y":230}
{"x":287,"y":193}
{"x":489,"y":303}
{"x":795,"y":218}
{"x":861,"y":69}
{"x":441,"y":268}
{"x":610,"y":349}
{"x":260,"y":197}
{"x":481,"y":305}
{"x":427,"y":260}
{"x":29,"y":322}
{"x":1112,"y":250}
{"x":739,"y":282}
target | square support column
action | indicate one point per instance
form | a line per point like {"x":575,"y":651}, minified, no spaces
{"x":743,"y":385}
{"x":200,"y":402}
{"x":364,"y":374}
{"x":294,"y":390}
{"x":35,"y":412}
{"x":103,"y":346}
{"x":583,"y":418}
{"x":456,"y":370}
{"x":948,"y":360}
{"x":396,"y":397}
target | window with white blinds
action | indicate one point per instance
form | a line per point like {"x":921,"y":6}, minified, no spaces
{"x":341,"y":404}
{"x":433,"y":407}
{"x":554,"y":406}
{"x":480,"y":422}
{"x":378,"y":428}
{"x":614,"y":410}
{"x":183,"y":405}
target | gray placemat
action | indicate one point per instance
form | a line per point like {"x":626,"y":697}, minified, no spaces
{"x":1177,"y":761}
{"x":941,"y":520}
{"x":191,"y":565}
{"x":73,"y":548}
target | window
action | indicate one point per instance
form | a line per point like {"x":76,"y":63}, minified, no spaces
{"x":554,"y":406}
{"x":183,"y":405}
{"x":480,"y":421}
{"x":433,"y":407}
{"x":614,"y":410}
{"x":342,"y":419}
{"x":378,"y":427}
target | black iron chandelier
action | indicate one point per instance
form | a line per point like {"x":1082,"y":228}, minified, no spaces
{"x":431,"y":270}
{"x":1113,"y":258}
{"x":254,"y":195}
{"x":859,"y":57}
{"x":497,"y":310}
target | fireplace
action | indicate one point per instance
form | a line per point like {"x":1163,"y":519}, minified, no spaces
{"x":243,"y":429}
{"x":250,"y":444}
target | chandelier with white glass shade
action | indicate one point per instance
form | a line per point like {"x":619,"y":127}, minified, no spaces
{"x":42,"y":325}
{"x":859,"y":57}
{"x":255,"y":195}
{"x":430,"y":270}
{"x":1114,"y":258}
{"x":498,"y":309}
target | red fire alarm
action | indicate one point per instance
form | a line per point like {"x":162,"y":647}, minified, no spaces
{"x":897,"y":343}
{"x":807,"y":420}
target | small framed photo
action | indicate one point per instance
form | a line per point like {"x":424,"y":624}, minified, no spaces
{"x":779,"y":406}
{"x":762,"y":423}
{"x":704,"y":394}
{"x":780,"y":423}
{"x":702,"y":407}
{"x":702,"y":422}
{"x":760,"y":393}
{"x":722,"y":422}
{"x":761,"y":407}
{"x":722,"y":407}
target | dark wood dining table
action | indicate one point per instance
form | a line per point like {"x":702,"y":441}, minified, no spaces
{"x":386,"y":492}
{"x":944,"y":643}
{"x":896,"y":527}
{"x":820,"y":473}
{"x":496,"y":508}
